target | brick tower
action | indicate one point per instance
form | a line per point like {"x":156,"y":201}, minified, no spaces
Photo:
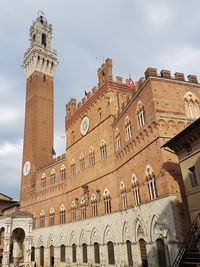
{"x":39,"y":66}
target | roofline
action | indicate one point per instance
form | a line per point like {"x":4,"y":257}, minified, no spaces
{"x":182,"y":133}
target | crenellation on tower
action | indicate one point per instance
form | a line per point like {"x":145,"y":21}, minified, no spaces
{"x":165,"y":74}
{"x":192,"y":78}
{"x":105,"y":72}
{"x":179,"y":76}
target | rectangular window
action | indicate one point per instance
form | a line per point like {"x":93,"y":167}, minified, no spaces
{"x":82,"y":165}
{"x":124,"y":200}
{"x":62,"y":217}
{"x":73,"y":212}
{"x":103,"y":153}
{"x":42,"y":221}
{"x":107,"y":205}
{"x":43,"y":183}
{"x":62,"y":175}
{"x":128,"y":132}
{"x":52,"y":178}
{"x":152,"y":189}
{"x":94,"y":209}
{"x":118,"y":142}
{"x":83,"y":212}
{"x":193,"y":177}
{"x":51,"y":219}
{"x":136,"y":196}
{"x":73,"y":170}
{"x":92,"y":160}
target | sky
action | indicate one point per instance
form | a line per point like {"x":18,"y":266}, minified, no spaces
{"x":136,"y":34}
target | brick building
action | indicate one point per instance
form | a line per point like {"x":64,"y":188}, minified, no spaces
{"x":115,"y":197}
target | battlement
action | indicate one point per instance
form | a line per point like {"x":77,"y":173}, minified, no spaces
{"x":54,"y":161}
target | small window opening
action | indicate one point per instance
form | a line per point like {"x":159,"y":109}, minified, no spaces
{"x":44,"y":41}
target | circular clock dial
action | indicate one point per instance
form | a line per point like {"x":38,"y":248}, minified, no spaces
{"x":84,"y":125}
{"x":27,"y":167}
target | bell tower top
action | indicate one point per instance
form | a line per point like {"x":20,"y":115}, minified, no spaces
{"x":40,"y":57}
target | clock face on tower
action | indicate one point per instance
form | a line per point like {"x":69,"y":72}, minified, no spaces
{"x":27,"y":168}
{"x":84,"y":125}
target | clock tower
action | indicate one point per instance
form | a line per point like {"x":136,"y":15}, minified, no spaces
{"x":39,"y":65}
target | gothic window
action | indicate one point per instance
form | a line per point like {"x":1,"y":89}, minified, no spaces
{"x":150,"y":177}
{"x":62,"y":214}
{"x":107,"y":201}
{"x":96,"y":253}
{"x":140,"y":114}
{"x":51,"y":217}
{"x":128,"y":128}
{"x":91,"y":157}
{"x":123,"y":195}
{"x":129,"y":253}
{"x":191,"y":105}
{"x":53,"y":177}
{"x":193,"y":176}
{"x":100,"y":114}
{"x":82,"y":162}
{"x":62,"y":253}
{"x":84,"y":249}
{"x":103,"y":150}
{"x":32,"y":253}
{"x":44,"y":41}
{"x":111,"y":254}
{"x":161,"y":252}
{"x":136,"y":192}
{"x":94,"y":205}
{"x":73,"y":167}
{"x":43,"y":180}
{"x":73,"y":137}
{"x":62,"y":172}
{"x":42,"y":219}
{"x":74,"y":252}
{"x":73,"y":211}
{"x":143,"y":252}
{"x":42,"y":256}
{"x":117,"y":139}
{"x":83,"y":208}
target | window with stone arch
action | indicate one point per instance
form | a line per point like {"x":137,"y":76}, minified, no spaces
{"x":150,"y":177}
{"x":100,"y":114}
{"x":117,"y":139}
{"x":34,"y":220}
{"x":82,"y":162}
{"x":73,"y":210}
{"x":73,"y":167}
{"x":123,"y":195}
{"x":91,"y":157}
{"x":62,"y":172}
{"x":84,"y":252}
{"x":51,"y":217}
{"x":72,"y":137}
{"x":42,"y":219}
{"x":83,"y":208}
{"x":62,"y":214}
{"x":62,"y":253}
{"x":107,"y":201}
{"x":111,"y":253}
{"x":94,"y":205}
{"x":128,"y":128}
{"x":192,"y":108}
{"x":103,"y":150}
{"x":135,"y":188}
{"x":140,"y":114}
{"x":74,"y":253}
{"x":53,"y":177}
{"x":43,"y":180}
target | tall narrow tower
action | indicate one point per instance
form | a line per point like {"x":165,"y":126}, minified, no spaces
{"x":39,"y":66}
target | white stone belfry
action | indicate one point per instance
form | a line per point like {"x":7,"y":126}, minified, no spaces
{"x":40,"y":57}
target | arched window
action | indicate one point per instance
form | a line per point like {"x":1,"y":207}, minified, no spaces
{"x":83,"y":208}
{"x":42,"y":219}
{"x":43,"y":180}
{"x":44,"y":41}
{"x":123,"y":195}
{"x":42,"y":256}
{"x":51,"y":248}
{"x":129,"y":253}
{"x":74,"y":252}
{"x":103,"y":150}
{"x":136,"y":191}
{"x":150,"y":177}
{"x":94,"y":205}
{"x":72,"y":137}
{"x":191,"y":105}
{"x":34,"y":220}
{"x":162,"y":262}
{"x":73,"y":210}
{"x":62,"y":214}
{"x":91,"y":157}
{"x":51,"y":217}
{"x":73,"y":167}
{"x":128,"y":128}
{"x":62,"y":172}
{"x":53,"y":177}
{"x":84,"y":249}
{"x":140,"y":114}
{"x":82,"y":162}
{"x":117,"y":139}
{"x":100,"y":114}
{"x":62,"y":253}
{"x":107,"y":201}
{"x":111,"y":253}
{"x":143,"y":252}
{"x":96,"y":253}
{"x":32,"y":253}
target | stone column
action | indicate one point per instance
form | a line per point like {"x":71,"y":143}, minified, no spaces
{"x":27,"y":250}
{"x":57,"y":253}
{"x":6,"y":252}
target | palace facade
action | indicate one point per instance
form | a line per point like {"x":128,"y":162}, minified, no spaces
{"x":114,"y":198}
